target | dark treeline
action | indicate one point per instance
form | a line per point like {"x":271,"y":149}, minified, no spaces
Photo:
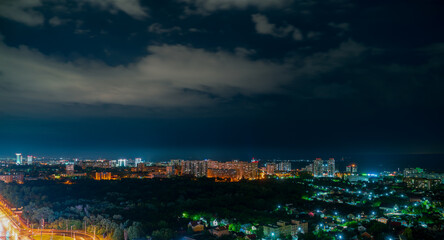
{"x":150,"y":207}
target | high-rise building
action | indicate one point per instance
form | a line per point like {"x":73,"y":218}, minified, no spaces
{"x":317,"y":167}
{"x":271,"y":167}
{"x":137,"y":161}
{"x":70,"y":169}
{"x":323,"y":168}
{"x":19,"y":158}
{"x":102,"y":176}
{"x":284,"y":166}
{"x":122,"y":162}
{"x":29,"y":160}
{"x":351,"y":169}
{"x":196,"y":168}
{"x":308,"y":168}
{"x":331,"y":167}
{"x":412,"y":171}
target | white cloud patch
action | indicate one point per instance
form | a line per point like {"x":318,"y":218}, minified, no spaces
{"x":263,"y":26}
{"x":22,"y":11}
{"x":341,"y":26}
{"x":159,"y":29}
{"x":56,"y":21}
{"x":28,"y":11}
{"x":171,"y":76}
{"x":130,"y":7}
{"x":207,"y":6}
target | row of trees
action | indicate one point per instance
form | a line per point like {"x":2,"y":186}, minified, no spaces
{"x":150,"y":207}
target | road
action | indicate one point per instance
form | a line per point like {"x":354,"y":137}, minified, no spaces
{"x":24,"y":232}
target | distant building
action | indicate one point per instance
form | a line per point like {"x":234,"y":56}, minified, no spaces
{"x":170,"y":170}
{"x":122,"y":162}
{"x":422,"y":183}
{"x":323,"y":168}
{"x":222,"y":173}
{"x":308,"y":168}
{"x":284,"y":166}
{"x":19,"y":158}
{"x":29,"y":160}
{"x":196,"y":226}
{"x":271,"y":167}
{"x":235,"y":169}
{"x":351,"y":169}
{"x":196,"y":168}
{"x":102,"y":176}
{"x":137,"y":161}
{"x":356,"y":178}
{"x":283,"y":229}
{"x":412,"y":171}
{"x":220,"y":231}
{"x":70,"y":169}
{"x":6,"y":178}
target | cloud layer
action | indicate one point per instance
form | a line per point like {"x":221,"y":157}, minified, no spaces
{"x":170,"y":76}
{"x":22,"y":11}
{"x":28,"y":12}
{"x":207,"y":6}
{"x":263,"y":26}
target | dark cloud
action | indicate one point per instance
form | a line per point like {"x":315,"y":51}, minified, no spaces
{"x":295,"y":75}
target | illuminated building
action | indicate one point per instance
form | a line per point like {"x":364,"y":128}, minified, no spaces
{"x":122,"y":162}
{"x":284,"y":166}
{"x":19,"y":158}
{"x":351,"y":169}
{"x":323,"y":168}
{"x":69,"y":169}
{"x":412,"y":171}
{"x":331,"y":167}
{"x":137,"y":161}
{"x":6,"y":178}
{"x":102,"y":176}
{"x":222,"y":173}
{"x":196,"y":168}
{"x":317,"y":167}
{"x":235,"y":169}
{"x":283,"y":229}
{"x":170,"y":170}
{"x":422,"y":183}
{"x":308,"y":168}
{"x":270,"y":168}
{"x":29,"y":160}
{"x":357,"y":178}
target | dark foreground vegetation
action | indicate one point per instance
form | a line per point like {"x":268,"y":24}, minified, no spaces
{"x":160,"y":208}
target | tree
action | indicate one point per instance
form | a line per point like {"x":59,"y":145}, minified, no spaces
{"x":135,"y":231}
{"x":408,"y":233}
{"x":163,"y":234}
{"x":118,"y":234}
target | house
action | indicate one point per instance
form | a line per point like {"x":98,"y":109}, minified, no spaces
{"x":214,"y":223}
{"x":382,"y":220}
{"x":196,"y":226}
{"x":219,"y":231}
{"x":361,"y":229}
{"x":367,"y":236}
{"x":283,"y":229}
{"x":247,"y":228}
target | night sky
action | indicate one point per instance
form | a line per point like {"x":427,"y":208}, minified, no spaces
{"x":221,"y":78}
